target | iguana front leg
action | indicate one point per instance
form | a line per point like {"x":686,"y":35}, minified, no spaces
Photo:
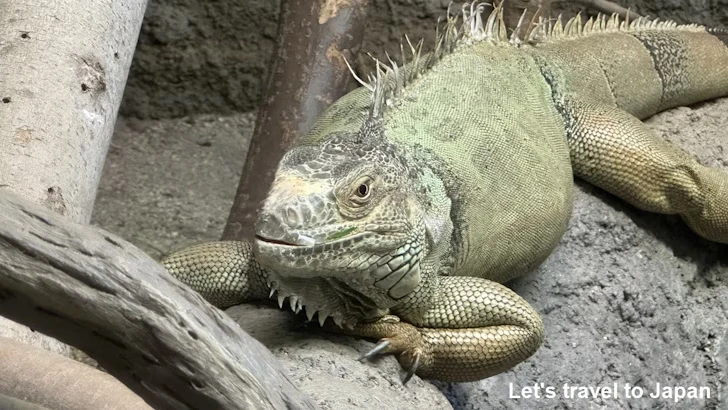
{"x":223,"y":273}
{"x":475,"y":328}
{"x":614,"y":150}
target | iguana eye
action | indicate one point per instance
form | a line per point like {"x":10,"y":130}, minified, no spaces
{"x":363,"y":190}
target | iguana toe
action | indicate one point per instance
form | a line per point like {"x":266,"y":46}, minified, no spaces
{"x":413,"y":369}
{"x":402,"y":340}
{"x":381,"y":347}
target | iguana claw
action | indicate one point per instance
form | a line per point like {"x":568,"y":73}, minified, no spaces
{"x":381,"y":347}
{"x":413,"y":369}
{"x":385,"y":346}
{"x":402,"y":340}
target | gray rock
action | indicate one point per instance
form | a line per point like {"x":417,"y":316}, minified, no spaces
{"x":326,"y":367}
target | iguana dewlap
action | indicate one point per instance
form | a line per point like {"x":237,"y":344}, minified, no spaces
{"x":412,"y":198}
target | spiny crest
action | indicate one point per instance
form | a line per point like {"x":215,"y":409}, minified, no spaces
{"x":388,"y":82}
{"x":553,"y":30}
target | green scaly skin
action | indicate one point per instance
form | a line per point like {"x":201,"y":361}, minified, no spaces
{"x":400,"y":213}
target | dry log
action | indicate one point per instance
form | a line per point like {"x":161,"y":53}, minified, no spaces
{"x":62,"y":74}
{"x":63,"y":68}
{"x":97,"y":292}
{"x":59,"y":383}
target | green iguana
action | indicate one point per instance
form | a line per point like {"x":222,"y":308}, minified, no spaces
{"x":413,"y":197}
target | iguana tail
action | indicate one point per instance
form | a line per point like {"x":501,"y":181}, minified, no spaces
{"x":644,"y":67}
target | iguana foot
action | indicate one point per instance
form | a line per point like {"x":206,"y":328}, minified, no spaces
{"x":475,"y":329}
{"x":405,"y":341}
{"x":408,"y":355}
{"x":454,"y":355}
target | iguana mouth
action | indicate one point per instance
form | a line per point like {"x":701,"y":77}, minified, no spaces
{"x":306,"y":242}
{"x":277,"y":242}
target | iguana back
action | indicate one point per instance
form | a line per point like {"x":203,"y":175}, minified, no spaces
{"x":482,"y":121}
{"x":488,"y":120}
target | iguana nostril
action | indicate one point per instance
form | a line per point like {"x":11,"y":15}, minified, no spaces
{"x":305,"y":214}
{"x":292,"y":217}
{"x":269,"y":226}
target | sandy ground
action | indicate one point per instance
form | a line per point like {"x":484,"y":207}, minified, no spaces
{"x":627,"y":298}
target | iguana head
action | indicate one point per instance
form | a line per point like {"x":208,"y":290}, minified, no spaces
{"x":343,"y":227}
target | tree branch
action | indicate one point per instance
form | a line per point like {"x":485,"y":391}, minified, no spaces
{"x":62,"y":74}
{"x":609,"y":8}
{"x":99,"y":293}
{"x":11,"y":403}
{"x":308,"y":74}
{"x":41,"y":377}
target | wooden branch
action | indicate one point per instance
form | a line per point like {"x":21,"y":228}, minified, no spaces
{"x":41,"y":377}
{"x":63,"y":68}
{"x":11,"y":403}
{"x":62,"y":74}
{"x":97,"y":292}
{"x":308,"y":74}
{"x":607,"y":7}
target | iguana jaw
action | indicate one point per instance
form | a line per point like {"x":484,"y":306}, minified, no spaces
{"x":304,"y":245}
{"x":350,"y":286}
{"x":343,"y":257}
{"x":326,"y":297}
{"x":348,"y":279}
